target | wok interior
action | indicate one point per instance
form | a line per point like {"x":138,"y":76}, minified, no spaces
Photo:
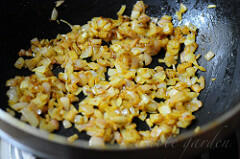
{"x":218,"y":31}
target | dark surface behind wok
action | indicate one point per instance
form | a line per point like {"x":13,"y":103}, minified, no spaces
{"x":219,"y":31}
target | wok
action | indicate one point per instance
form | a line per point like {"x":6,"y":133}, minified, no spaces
{"x":219,"y":31}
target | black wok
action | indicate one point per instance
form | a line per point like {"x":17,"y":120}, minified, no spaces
{"x":219,"y":31}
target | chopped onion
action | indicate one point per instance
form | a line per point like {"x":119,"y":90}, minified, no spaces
{"x":19,"y":106}
{"x":211,"y":6}
{"x":125,"y":112}
{"x":65,"y":102}
{"x":64,"y":21}
{"x":121,"y":11}
{"x":30,"y":116}
{"x":59,"y":3}
{"x":72,"y":138}
{"x":54,"y":14}
{"x":165,"y":109}
{"x":96,"y":141}
{"x":209,"y":55}
{"x":147,"y":59}
{"x":197,"y":129}
{"x":66,"y":124}
{"x":213,"y":79}
{"x":19,"y":63}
